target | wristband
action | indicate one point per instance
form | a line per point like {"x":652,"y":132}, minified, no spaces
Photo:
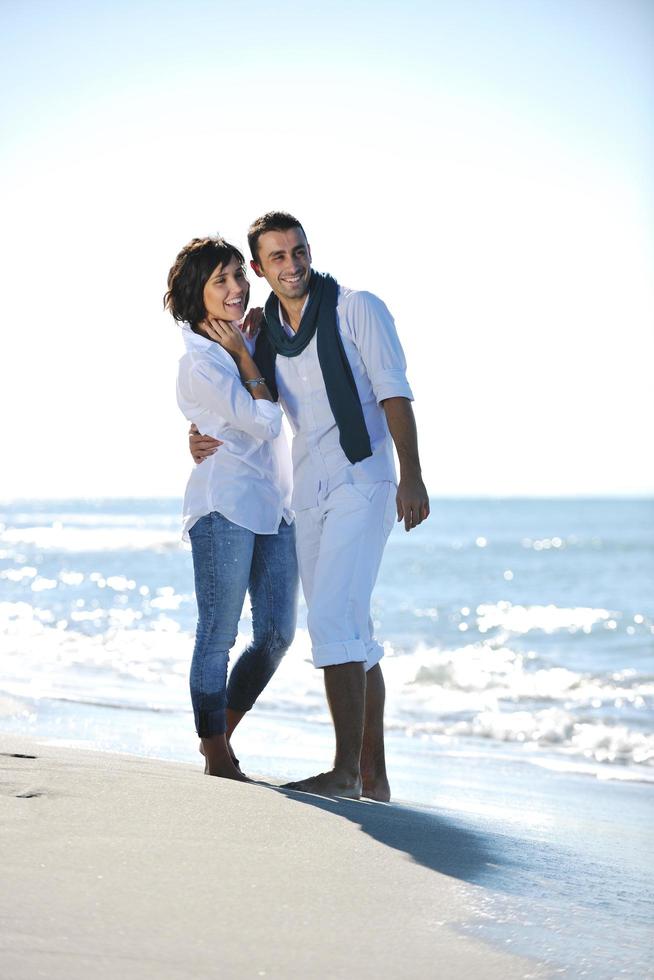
{"x":254,"y":382}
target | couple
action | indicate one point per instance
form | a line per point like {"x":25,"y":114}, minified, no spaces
{"x":331,"y":357}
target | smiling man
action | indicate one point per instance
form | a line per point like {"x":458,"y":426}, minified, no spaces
{"x":333,"y":358}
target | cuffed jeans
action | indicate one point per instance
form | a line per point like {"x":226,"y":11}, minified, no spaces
{"x":229,"y":560}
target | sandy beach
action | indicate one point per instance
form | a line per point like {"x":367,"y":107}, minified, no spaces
{"x":518,"y":742}
{"x":121,"y":866}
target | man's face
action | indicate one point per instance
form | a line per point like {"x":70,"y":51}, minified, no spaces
{"x":285,"y":262}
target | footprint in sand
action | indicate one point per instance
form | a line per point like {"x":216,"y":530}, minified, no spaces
{"x":27,"y":794}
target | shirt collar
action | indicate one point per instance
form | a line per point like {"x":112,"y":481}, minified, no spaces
{"x":194,"y":341}
{"x":284,"y":322}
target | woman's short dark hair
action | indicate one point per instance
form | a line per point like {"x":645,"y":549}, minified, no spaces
{"x":189,"y":274}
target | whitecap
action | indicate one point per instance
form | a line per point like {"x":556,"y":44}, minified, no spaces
{"x":522,"y":619}
{"x":71,"y":539}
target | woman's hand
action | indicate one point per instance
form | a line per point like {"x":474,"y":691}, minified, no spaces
{"x":227,"y":335}
{"x":253,"y":322}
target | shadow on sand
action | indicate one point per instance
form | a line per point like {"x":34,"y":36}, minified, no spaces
{"x":429,"y":838}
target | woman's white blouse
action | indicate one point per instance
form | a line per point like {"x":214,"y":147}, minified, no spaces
{"x":248,"y":479}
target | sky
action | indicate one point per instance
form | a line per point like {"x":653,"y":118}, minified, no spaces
{"x":482,"y":165}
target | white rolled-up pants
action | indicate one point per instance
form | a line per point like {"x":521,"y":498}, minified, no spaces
{"x":340,"y":544}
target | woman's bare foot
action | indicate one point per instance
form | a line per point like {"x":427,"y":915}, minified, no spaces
{"x":235,"y":761}
{"x":334,"y":783}
{"x":218,"y":759}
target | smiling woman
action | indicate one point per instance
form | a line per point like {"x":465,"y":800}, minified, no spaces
{"x":236,"y":513}
{"x":226,"y":291}
{"x":207,"y":279}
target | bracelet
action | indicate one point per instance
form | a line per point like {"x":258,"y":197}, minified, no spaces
{"x":254,"y":382}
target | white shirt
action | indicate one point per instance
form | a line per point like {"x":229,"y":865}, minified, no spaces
{"x":373,"y":349}
{"x":248,"y":479}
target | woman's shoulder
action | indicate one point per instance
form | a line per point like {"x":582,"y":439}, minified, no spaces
{"x":214,"y":359}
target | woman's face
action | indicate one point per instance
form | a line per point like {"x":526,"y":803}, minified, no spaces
{"x":226,"y":292}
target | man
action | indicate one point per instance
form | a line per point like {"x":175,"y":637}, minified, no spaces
{"x":333,"y":356}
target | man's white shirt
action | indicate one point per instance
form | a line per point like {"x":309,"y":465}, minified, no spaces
{"x":248,"y":479}
{"x":375,"y":354}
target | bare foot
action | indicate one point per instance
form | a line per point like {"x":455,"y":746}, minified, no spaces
{"x":218,"y":759}
{"x":235,"y":761}
{"x":376,"y":788}
{"x":227,"y":772}
{"x":333,"y":783}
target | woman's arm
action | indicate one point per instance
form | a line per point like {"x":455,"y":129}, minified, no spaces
{"x":231,"y":339}
{"x":219,"y":392}
{"x":244,"y":402}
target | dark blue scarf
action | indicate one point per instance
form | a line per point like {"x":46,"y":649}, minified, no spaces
{"x":319,"y":316}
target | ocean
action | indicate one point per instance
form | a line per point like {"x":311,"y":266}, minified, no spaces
{"x":519,"y":642}
{"x":525,"y":625}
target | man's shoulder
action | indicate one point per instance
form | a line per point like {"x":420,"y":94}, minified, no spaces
{"x":359,"y":308}
{"x":359,"y":301}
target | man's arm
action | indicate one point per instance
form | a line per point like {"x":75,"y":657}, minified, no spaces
{"x":372,"y":329}
{"x":412,"y":499}
{"x":199,"y":446}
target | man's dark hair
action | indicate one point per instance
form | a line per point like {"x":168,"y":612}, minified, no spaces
{"x":188,"y":276}
{"x":271,"y":221}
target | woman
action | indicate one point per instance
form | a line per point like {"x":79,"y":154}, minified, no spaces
{"x":236,"y":514}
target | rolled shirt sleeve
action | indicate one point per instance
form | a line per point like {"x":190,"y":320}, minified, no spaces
{"x":373,"y":330}
{"x":221,"y":393}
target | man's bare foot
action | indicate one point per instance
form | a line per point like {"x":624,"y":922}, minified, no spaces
{"x":333,"y":783}
{"x":376,"y":788}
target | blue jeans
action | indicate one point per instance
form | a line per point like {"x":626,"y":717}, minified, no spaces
{"x":229,"y":560}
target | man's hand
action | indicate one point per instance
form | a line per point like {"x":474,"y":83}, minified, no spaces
{"x":253,"y":322}
{"x":201,"y":446}
{"x":412,"y":502}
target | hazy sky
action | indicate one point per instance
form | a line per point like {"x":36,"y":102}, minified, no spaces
{"x":483,"y":165}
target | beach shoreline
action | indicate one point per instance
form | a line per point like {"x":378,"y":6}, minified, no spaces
{"x":518,"y":722}
{"x":119,"y":865}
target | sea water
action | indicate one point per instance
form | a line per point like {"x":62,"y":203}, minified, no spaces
{"x":522,"y":623}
